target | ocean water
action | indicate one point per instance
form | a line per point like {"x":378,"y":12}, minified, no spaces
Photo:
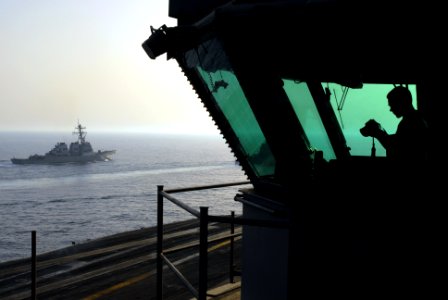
{"x":77,"y":202}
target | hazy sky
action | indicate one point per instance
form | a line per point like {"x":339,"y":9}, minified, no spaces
{"x":64,"y":60}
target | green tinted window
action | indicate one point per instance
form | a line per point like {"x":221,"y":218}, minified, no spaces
{"x":360,"y":105}
{"x":233,"y":104}
{"x":230,"y":99}
{"x":308,"y":115}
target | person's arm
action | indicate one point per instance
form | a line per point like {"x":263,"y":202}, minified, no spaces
{"x":384,"y":138}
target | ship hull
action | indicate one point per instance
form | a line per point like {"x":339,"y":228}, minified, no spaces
{"x":54,"y":159}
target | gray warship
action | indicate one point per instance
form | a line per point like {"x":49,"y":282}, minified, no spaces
{"x":80,"y":151}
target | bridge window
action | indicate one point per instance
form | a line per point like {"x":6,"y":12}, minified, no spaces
{"x":214,"y":68}
{"x":306,"y":111}
{"x":360,"y":105}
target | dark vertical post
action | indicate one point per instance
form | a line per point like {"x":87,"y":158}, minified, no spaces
{"x":203,"y":247}
{"x":232,"y":231}
{"x":159,"y":288}
{"x":33,"y":265}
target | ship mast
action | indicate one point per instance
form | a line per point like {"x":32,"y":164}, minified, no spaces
{"x":81,"y":134}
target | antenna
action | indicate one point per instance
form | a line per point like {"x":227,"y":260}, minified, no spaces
{"x":81,"y":133}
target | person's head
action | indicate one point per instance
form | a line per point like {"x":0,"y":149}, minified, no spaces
{"x":400,"y":100}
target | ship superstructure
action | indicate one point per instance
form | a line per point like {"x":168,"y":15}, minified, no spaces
{"x":289,"y":84}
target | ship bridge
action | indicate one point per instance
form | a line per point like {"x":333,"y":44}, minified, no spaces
{"x":289,"y":84}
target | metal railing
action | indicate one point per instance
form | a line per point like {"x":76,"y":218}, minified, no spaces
{"x":204,"y":220}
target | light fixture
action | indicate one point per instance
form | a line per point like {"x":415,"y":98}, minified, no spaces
{"x":157,"y":43}
{"x":171,"y":40}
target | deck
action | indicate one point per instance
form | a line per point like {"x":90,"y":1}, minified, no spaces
{"x":123,"y":266}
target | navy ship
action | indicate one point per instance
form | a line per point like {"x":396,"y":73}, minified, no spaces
{"x":80,"y":151}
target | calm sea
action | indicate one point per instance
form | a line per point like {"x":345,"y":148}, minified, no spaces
{"x":74,"y":203}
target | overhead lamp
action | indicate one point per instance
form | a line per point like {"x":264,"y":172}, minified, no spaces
{"x":171,"y":40}
{"x":157,"y":43}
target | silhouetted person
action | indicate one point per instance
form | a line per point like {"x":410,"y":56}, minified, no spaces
{"x":410,"y":142}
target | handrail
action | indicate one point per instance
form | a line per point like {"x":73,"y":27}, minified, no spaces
{"x":250,"y":222}
{"x":204,"y":220}
{"x":191,"y":210}
{"x":180,"y":276}
{"x":195,"y":244}
{"x":205,"y":187}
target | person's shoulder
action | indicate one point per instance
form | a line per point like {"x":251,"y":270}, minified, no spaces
{"x":417,"y":118}
{"x":414,"y":120}
{"x":415,"y":115}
